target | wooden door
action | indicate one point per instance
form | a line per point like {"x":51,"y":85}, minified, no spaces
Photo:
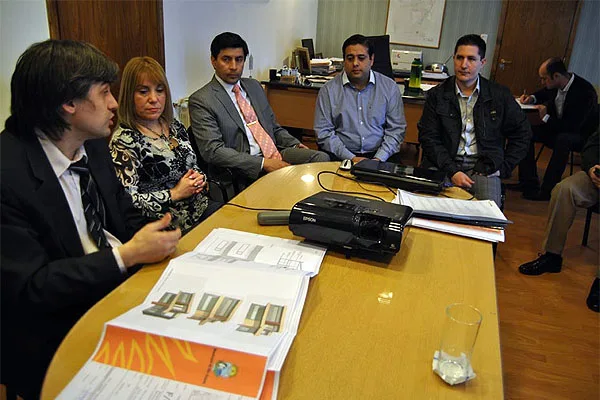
{"x":530,"y":32}
{"x":122,"y":28}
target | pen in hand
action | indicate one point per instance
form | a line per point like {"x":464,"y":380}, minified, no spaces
{"x":523,"y":96}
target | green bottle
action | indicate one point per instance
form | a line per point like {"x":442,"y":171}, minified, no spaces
{"x":416,"y":69}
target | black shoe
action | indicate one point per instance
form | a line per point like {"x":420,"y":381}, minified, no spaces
{"x":593,"y":298}
{"x":545,"y":263}
{"x":536,"y":195}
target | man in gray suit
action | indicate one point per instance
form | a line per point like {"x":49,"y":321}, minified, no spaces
{"x":233,"y":123}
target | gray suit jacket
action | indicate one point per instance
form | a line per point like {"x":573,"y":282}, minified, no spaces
{"x":220,"y":132}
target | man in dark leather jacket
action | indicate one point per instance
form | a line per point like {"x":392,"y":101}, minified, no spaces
{"x":471,"y":128}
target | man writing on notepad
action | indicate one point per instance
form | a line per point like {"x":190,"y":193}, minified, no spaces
{"x":471,"y":128}
{"x":568,"y":108}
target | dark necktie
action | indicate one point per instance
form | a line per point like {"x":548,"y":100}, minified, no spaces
{"x":93,"y":208}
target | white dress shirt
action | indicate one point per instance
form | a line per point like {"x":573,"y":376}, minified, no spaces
{"x":254,"y":147}
{"x":69,"y":182}
{"x":561,"y":95}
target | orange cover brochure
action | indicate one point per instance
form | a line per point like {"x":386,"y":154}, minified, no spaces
{"x":131,"y":364}
{"x":207,"y":326}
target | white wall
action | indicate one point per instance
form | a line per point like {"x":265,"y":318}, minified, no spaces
{"x":22,"y":23}
{"x":272,"y":29}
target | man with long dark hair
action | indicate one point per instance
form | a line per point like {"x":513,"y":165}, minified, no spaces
{"x":70,"y":233}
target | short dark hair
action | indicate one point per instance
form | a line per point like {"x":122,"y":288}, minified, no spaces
{"x":228,"y":40}
{"x":556,"y":65}
{"x":472,"y":40}
{"x":358,"y":39}
{"x":49,"y":74}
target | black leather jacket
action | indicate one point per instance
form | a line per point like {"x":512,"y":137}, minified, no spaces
{"x":502,"y":130}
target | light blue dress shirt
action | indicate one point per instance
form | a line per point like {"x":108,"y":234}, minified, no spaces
{"x":350,"y":121}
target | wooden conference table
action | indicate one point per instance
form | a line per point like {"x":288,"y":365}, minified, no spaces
{"x":368,"y":329}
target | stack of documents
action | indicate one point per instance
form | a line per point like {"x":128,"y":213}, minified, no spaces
{"x":218,"y":324}
{"x":337,"y":62}
{"x":479,"y":219}
{"x":437,"y":76}
{"x":320,"y":66}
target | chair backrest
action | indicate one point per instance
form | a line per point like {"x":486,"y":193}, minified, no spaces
{"x":383,"y":62}
{"x":228,"y":181}
{"x":201,"y":163}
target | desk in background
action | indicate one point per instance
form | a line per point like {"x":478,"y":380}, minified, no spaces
{"x":368,"y":329}
{"x":294,"y":106}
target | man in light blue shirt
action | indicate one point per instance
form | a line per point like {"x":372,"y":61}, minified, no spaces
{"x":359,"y":113}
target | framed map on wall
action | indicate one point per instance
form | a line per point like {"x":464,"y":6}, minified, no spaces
{"x":415,"y":22}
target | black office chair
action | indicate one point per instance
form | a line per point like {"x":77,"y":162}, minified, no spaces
{"x":542,"y":149}
{"x":229,"y":182}
{"x":382,"y":63}
{"x":588,"y":220}
{"x":205,"y":167}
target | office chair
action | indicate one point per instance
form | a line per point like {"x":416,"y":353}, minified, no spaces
{"x":382,"y":63}
{"x":542,"y":149}
{"x":205,"y":167}
{"x":588,"y":220}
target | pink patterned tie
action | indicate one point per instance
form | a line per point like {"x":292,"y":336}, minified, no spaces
{"x":260,"y":135}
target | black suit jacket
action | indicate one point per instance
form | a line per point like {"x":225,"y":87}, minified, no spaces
{"x":580,"y":110}
{"x":47,"y":282}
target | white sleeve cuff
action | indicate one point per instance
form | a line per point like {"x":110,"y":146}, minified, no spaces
{"x":546,"y":118}
{"x":119,"y":260}
{"x":534,"y":99}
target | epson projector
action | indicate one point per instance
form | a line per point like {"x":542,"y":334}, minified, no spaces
{"x":353,"y":224}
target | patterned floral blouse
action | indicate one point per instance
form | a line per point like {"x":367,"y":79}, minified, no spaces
{"x":149,"y":167}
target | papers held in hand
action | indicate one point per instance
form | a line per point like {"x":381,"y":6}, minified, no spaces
{"x":468,"y":212}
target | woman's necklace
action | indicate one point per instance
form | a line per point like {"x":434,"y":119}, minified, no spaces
{"x":171,"y":142}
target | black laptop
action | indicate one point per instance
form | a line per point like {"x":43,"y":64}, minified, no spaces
{"x":400,"y":176}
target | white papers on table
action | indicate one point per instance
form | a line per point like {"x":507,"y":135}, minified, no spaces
{"x":233,"y":246}
{"x":232,"y":306}
{"x":102,"y":381}
{"x":241,"y":310}
{"x":476,"y":232}
{"x":454,"y":207}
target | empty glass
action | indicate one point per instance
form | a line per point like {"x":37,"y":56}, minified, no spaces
{"x":458,"y":339}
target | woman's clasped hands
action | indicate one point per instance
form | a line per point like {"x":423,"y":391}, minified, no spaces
{"x":191,"y":183}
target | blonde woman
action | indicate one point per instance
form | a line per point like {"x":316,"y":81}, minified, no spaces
{"x":151,"y":150}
